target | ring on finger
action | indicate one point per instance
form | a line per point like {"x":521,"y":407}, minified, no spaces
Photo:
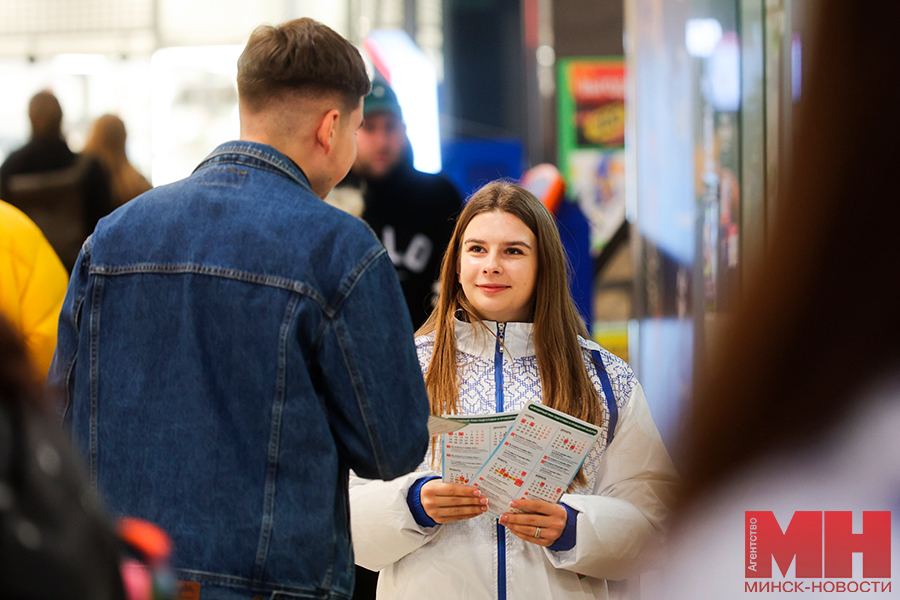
{"x":537,"y":533}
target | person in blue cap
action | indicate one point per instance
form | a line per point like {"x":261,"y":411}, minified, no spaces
{"x":411,"y":212}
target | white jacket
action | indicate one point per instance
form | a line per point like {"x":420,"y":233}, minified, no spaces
{"x":620,"y":512}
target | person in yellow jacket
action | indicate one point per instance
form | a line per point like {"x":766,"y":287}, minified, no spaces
{"x":32,"y":284}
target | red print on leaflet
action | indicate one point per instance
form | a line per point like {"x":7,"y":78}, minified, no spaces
{"x":822,"y":543}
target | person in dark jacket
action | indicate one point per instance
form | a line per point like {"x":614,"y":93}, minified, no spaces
{"x":411,"y":212}
{"x":56,"y":539}
{"x":64,"y":193}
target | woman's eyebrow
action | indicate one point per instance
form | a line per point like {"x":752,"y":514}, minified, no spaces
{"x":513,"y":243}
{"x":517,"y":243}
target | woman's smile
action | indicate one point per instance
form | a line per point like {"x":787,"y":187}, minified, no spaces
{"x":492,"y":288}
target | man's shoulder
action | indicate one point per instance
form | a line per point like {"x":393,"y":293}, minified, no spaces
{"x":348,"y":227}
{"x":278,"y":225}
{"x":14,"y":162}
{"x":38,"y":156}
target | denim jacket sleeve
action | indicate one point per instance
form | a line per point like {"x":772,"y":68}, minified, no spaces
{"x":378,"y":407}
{"x":61,"y":378}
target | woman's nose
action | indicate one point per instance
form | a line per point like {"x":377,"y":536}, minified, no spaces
{"x":491,"y":264}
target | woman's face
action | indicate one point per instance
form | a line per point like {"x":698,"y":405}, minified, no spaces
{"x":498,"y":267}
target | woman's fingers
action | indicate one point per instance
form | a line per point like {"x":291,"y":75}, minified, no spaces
{"x":447,"y":502}
{"x":542,"y":524}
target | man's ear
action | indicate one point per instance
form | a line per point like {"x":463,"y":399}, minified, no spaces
{"x":328,"y":129}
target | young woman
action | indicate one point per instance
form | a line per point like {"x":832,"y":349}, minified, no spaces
{"x":106,"y":143}
{"x":505,"y":331}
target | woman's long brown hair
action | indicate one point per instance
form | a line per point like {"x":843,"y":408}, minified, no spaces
{"x":566,"y":384}
{"x":821,"y":321}
{"x":106,"y":143}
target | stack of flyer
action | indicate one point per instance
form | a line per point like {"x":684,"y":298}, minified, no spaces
{"x":532,"y":454}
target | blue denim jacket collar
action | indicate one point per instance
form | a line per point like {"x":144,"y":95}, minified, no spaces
{"x":260,"y":156}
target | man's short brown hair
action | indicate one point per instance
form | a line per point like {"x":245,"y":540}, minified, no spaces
{"x":302,"y":56}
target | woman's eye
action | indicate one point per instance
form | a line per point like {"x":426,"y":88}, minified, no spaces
{"x":475,"y":248}
{"x":514,"y":251}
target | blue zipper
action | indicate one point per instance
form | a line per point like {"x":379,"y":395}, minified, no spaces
{"x":498,"y":367}
{"x":498,"y":396}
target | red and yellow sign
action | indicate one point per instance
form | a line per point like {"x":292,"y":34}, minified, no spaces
{"x":598,"y":91}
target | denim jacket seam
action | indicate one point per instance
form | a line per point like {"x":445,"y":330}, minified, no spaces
{"x":259,"y":165}
{"x":275,"y":439}
{"x":331,"y":310}
{"x":69,"y":373}
{"x":233,"y":152}
{"x":235,"y":185}
{"x":236,"y":274}
{"x":77,"y":308}
{"x":94,"y":332}
{"x":350,"y":281}
{"x":344,"y":292}
{"x":360,"y":396}
{"x":319,"y":336}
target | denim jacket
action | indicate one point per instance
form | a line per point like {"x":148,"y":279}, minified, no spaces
{"x":229,"y":347}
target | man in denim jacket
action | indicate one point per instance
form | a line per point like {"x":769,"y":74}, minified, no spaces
{"x":230,"y":345}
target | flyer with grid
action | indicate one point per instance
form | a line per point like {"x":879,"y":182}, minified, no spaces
{"x":464,"y":451}
{"x":536,"y":459}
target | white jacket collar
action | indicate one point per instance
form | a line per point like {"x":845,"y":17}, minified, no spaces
{"x":471,"y":338}
{"x":518,"y":340}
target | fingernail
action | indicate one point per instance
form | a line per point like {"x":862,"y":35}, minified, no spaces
{"x":514,"y":504}
{"x":477,"y":493}
{"x":503,"y":519}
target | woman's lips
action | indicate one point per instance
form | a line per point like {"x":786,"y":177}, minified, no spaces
{"x":492,"y":288}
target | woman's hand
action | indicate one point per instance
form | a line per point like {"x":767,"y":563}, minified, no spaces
{"x":541,"y":524}
{"x":446,"y":502}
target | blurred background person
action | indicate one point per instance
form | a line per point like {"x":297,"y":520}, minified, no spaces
{"x":64,"y":193}
{"x":411,"y":212}
{"x":106,"y":143}
{"x":32,"y":285}
{"x":55,"y":539}
{"x":801,"y":410}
